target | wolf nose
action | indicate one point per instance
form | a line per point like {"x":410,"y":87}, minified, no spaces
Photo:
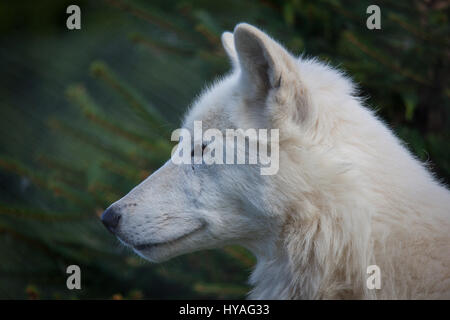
{"x":111,"y":218}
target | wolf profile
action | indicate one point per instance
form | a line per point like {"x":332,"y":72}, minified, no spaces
{"x":347,"y":194}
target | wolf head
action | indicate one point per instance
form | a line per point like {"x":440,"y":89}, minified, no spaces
{"x":184,"y":208}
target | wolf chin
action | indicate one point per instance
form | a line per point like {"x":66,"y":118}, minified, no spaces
{"x":347,"y":195}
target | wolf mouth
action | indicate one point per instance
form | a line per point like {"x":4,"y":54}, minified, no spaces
{"x":147,"y":246}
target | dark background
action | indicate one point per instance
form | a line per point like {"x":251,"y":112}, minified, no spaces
{"x":86,"y":114}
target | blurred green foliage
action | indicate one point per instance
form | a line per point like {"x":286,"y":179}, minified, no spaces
{"x":85,"y":115}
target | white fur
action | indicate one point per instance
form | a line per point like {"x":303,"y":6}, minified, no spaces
{"x":347,"y":194}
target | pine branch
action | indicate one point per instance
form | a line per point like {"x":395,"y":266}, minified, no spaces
{"x":239,"y":255}
{"x":58,"y":188}
{"x":35,"y":243}
{"x":161,"y":23}
{"x":136,"y":102}
{"x":160,"y":46}
{"x":89,"y":139}
{"x":220,"y":289}
{"x":122,"y":170}
{"x":31,"y":213}
{"x":383,"y":60}
{"x":67,"y":173}
{"x":79,"y":96}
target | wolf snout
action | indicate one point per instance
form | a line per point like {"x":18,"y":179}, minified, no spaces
{"x":111,"y":218}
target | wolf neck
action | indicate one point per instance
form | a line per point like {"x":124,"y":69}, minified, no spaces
{"x":310,"y":269}
{"x":272,"y":277}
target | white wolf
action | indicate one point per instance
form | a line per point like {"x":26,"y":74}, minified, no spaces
{"x":347,"y":194}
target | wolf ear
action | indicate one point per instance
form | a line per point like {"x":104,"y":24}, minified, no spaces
{"x":265,"y":64}
{"x":228,"y":44}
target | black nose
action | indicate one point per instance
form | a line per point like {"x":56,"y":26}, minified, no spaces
{"x":111,"y":218}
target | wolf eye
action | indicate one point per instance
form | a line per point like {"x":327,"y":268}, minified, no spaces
{"x":203,"y":149}
{"x":192,"y":155}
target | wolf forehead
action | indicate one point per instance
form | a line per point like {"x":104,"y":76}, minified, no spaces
{"x":223,"y":104}
{"x":220,"y":106}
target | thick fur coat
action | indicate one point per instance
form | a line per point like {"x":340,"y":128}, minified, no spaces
{"x":348,"y":194}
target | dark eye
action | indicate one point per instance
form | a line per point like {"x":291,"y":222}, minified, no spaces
{"x":203,"y":149}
